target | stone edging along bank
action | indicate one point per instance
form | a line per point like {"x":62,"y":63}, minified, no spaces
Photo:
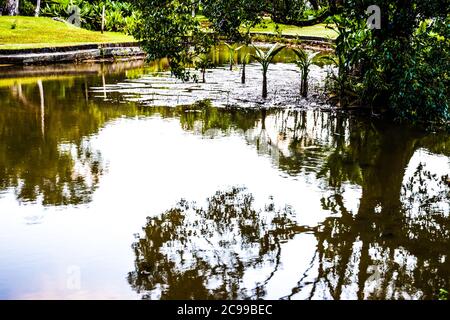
{"x":130,"y":50}
{"x":95,"y":52}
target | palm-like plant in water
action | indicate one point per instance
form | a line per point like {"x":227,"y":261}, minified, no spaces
{"x":203,"y":62}
{"x":265,"y":59}
{"x":304,"y":62}
{"x":245,"y":61}
{"x":232,"y":49}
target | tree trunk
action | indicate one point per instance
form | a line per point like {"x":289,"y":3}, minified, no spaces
{"x":38,"y":8}
{"x":264,"y":89}
{"x":12,"y":7}
{"x":204,"y":75}
{"x":243,"y":74}
{"x":304,"y":85}
{"x":103,"y":20}
{"x":314,"y":4}
{"x":332,"y":5}
{"x":301,"y":83}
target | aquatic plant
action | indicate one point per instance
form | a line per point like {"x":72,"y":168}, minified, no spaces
{"x":203,"y":62}
{"x":232,"y":49}
{"x":304,"y":62}
{"x":265,"y":59}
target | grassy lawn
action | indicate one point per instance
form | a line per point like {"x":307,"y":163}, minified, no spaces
{"x":30,"y":32}
{"x":269,"y":27}
{"x":319,"y":30}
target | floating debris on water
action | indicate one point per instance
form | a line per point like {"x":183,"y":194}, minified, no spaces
{"x":223,"y":88}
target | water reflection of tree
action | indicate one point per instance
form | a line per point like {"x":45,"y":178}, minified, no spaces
{"x":405,"y":246}
{"x":45,"y":153}
{"x":202,"y":117}
{"x":386,"y":227}
{"x":394,"y":245}
{"x":190,"y":252}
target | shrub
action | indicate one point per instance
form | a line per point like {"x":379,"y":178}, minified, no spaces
{"x":404,"y":67}
{"x":119,"y":16}
{"x":26,"y":8}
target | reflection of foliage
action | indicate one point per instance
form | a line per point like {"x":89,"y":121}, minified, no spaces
{"x":60,"y":178}
{"x":401,"y":225}
{"x":191,"y":252}
{"x":44,"y":153}
{"x":406,"y":240}
{"x":388,"y":233}
{"x":203,"y":115}
{"x":425,"y":198}
{"x":426,"y":189}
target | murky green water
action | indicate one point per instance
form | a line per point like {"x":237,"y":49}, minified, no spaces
{"x":106,"y":194}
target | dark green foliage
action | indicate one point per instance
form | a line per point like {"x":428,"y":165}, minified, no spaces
{"x":403,"y":67}
{"x":170,"y":30}
{"x":421,"y":92}
{"x":9,"y":7}
{"x":297,"y":12}
{"x":119,"y":15}
{"x":443,"y":294}
{"x":228,"y":16}
{"x":27,"y":7}
{"x":284,"y":11}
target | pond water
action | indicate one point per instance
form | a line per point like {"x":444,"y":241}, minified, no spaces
{"x":117,"y":182}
